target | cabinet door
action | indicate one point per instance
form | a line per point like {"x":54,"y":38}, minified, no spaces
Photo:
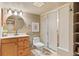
{"x":25,"y":52}
{"x":0,"y":48}
{"x":9,"y":49}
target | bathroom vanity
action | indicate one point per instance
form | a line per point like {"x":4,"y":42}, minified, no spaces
{"x":12,"y":40}
{"x":18,"y":45}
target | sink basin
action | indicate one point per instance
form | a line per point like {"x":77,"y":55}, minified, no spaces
{"x":13,"y":34}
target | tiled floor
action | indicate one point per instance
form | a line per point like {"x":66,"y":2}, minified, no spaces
{"x":45,"y":52}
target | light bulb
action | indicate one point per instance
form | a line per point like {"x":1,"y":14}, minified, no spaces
{"x":15,"y":12}
{"x":20,"y":13}
{"x":10,"y":11}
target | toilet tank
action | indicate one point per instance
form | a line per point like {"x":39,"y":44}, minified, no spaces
{"x":36,"y":39}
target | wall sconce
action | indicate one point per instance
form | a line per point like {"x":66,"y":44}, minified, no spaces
{"x":15,"y":12}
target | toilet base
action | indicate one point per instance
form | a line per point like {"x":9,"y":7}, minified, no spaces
{"x":38,"y":48}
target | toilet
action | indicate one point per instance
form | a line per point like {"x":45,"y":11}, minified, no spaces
{"x":37,"y":44}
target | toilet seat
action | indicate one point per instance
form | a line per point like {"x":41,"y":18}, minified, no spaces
{"x":39,"y":44}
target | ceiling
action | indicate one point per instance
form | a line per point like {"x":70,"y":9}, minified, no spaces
{"x":30,"y":8}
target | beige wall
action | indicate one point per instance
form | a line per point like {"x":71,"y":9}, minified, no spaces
{"x":29,"y":18}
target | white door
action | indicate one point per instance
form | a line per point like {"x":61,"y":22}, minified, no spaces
{"x":64,"y":31}
{"x":64,"y":27}
{"x":43,"y":29}
{"x":52,"y":30}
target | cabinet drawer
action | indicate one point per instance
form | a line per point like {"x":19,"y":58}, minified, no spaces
{"x":20,"y":48}
{"x":24,"y":44}
{"x":23,"y":39}
{"x":23,"y":48}
{"x":9,"y":40}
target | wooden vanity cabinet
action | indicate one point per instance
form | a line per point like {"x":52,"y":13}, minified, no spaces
{"x":16,"y":47}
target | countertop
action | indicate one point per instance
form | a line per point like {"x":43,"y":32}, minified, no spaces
{"x":15,"y":36}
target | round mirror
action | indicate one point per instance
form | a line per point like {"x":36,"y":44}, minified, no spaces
{"x":14,"y":23}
